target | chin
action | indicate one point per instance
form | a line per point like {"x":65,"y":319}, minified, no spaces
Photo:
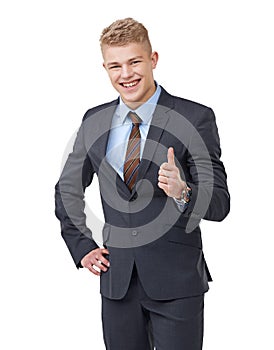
{"x":137,"y":101}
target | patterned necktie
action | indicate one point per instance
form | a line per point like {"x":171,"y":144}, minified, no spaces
{"x":132,"y":159}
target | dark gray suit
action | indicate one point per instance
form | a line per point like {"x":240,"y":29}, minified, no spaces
{"x":144,"y":226}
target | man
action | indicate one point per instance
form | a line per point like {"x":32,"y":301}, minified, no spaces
{"x":157,"y":158}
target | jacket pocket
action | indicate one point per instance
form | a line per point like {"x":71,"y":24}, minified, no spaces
{"x":178,"y":235}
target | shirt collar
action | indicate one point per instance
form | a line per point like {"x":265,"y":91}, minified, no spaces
{"x":145,"y":111}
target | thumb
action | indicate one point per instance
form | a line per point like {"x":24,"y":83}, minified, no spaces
{"x":170,"y":156}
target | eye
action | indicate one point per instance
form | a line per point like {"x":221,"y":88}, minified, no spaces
{"x":114,"y":67}
{"x":135,"y":62}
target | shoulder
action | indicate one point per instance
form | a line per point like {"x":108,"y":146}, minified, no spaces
{"x":189,"y":109}
{"x":177,"y":102}
{"x":189,"y":104}
{"x":100,"y":108}
{"x":180,"y":102}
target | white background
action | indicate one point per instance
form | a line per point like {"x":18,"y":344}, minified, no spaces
{"x":215,"y":52}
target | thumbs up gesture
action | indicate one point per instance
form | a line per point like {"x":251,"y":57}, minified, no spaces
{"x":169,"y":179}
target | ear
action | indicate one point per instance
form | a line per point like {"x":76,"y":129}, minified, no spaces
{"x":154,"y":59}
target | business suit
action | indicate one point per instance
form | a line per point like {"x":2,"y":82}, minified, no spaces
{"x":125,"y":231}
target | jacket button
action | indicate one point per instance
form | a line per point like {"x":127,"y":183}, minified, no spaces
{"x":134,"y":233}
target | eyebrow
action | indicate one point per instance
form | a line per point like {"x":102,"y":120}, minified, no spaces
{"x":130,"y":60}
{"x":135,"y":58}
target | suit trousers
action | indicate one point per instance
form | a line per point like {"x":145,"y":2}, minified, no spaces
{"x":137,"y":322}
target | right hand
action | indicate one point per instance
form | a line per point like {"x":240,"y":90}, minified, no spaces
{"x":96,"y":258}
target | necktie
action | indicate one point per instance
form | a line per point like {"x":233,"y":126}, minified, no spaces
{"x":132,"y":159}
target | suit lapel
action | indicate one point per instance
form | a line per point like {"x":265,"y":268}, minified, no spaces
{"x":102,"y":131}
{"x":157,"y":126}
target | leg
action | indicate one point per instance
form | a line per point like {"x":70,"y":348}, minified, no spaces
{"x":125,"y":322}
{"x":177,"y":324}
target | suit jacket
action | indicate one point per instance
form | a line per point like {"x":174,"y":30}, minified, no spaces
{"x":144,"y":226}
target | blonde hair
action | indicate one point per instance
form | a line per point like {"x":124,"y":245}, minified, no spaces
{"x":123,"y":32}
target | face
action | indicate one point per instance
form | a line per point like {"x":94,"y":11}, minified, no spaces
{"x":130,"y":69}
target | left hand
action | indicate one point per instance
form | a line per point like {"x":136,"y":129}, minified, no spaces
{"x":169,"y":177}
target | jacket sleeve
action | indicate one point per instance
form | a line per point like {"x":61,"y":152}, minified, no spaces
{"x":77,"y":174}
{"x":210,"y":198}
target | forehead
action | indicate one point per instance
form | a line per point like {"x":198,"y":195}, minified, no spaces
{"x":124,"y":53}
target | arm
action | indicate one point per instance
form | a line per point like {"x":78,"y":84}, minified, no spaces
{"x":69,"y":201}
{"x":210,"y":196}
{"x":210,"y":199}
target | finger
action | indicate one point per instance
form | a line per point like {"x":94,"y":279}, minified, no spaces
{"x":164,"y":170}
{"x":163,"y":186}
{"x":100,"y":266}
{"x":104,"y":260}
{"x":170,"y":156}
{"x":169,"y":174}
{"x":166,"y":166}
{"x":163,"y":179}
{"x":92,"y":269}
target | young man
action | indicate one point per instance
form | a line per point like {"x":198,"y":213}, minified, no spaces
{"x":157,"y":158}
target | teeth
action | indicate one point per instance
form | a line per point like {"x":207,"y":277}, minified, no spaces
{"x":130,"y":84}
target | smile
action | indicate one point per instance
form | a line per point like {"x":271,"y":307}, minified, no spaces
{"x":130,"y":84}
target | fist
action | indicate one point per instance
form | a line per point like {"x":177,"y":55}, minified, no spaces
{"x":169,"y":179}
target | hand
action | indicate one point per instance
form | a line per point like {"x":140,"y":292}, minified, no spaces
{"x":169,"y":177}
{"x":96,"y":258}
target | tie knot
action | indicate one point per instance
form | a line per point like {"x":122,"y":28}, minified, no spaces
{"x":136,"y":120}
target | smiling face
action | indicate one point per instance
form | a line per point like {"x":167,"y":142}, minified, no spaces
{"x":130,"y":69}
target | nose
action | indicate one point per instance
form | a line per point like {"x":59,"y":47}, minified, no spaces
{"x":126,"y":72}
